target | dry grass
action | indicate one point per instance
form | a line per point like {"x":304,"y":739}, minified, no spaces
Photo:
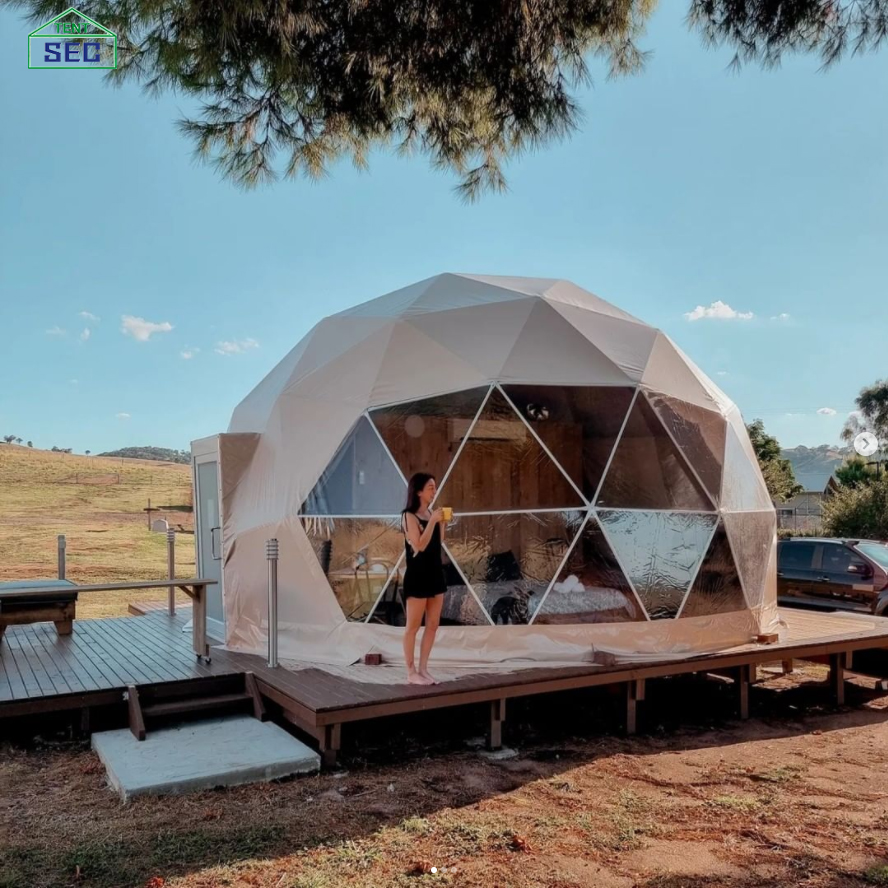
{"x":98,"y":504}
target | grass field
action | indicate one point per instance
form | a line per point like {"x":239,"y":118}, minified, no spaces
{"x":98,"y":503}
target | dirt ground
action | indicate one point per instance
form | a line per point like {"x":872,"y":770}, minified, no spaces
{"x":796,"y":796}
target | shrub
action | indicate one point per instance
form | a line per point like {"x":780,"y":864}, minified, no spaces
{"x":858,"y":512}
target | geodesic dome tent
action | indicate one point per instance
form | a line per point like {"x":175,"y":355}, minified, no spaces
{"x":605,"y":492}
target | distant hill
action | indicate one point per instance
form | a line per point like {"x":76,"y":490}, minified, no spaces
{"x":812,"y":466}
{"x":161,"y":454}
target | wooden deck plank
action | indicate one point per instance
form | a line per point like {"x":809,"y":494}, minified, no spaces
{"x":129,"y":659}
{"x":29,"y":680}
{"x":121,"y":668}
{"x":63,"y":652}
{"x":64,"y":680}
{"x":33,"y":659}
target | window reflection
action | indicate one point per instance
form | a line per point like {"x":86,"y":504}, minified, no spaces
{"x":660,"y":552}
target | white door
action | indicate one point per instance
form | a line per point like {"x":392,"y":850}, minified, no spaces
{"x":208,"y":534}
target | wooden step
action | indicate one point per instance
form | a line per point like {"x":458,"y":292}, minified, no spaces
{"x":191,"y":697}
{"x":195,"y":704}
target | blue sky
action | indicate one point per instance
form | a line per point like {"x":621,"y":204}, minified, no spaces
{"x":687,"y":185}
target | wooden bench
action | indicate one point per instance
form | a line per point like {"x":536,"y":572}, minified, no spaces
{"x":40,"y":601}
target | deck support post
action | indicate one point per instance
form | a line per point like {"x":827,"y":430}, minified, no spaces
{"x":634,"y":693}
{"x":743,"y":676}
{"x":497,"y":717}
{"x":787,"y":667}
{"x":837,"y":665}
{"x":136,"y":719}
{"x":330,"y":742}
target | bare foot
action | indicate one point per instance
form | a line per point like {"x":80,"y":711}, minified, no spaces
{"x":415,"y":678}
{"x":427,"y":675}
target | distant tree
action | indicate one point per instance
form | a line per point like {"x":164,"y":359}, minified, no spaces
{"x":55,"y":449}
{"x":18,"y":440}
{"x":290,"y":88}
{"x":872,"y":413}
{"x":860,"y":512}
{"x":9,"y":438}
{"x":30,"y":443}
{"x":87,"y":452}
{"x":777,"y":471}
{"x":854,"y":473}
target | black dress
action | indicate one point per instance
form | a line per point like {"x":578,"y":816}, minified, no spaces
{"x":424,"y":577}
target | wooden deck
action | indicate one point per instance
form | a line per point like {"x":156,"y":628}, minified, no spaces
{"x":41,"y":672}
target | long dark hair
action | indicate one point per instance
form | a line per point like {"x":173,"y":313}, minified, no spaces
{"x":415,"y":488}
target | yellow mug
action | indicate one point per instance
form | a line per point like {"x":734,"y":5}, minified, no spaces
{"x":447,"y":512}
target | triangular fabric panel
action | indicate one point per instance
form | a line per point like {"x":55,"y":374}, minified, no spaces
{"x":754,"y":539}
{"x":424,"y":436}
{"x":648,"y":471}
{"x":668,"y":371}
{"x":660,"y":553}
{"x":717,"y":588}
{"x":579,"y":425}
{"x":452,"y":291}
{"x":482,"y":336}
{"x":743,"y":489}
{"x":570,"y":294}
{"x":699,"y":433}
{"x":551,"y":350}
{"x":357,"y":556}
{"x":591,"y":586}
{"x":627,"y":343}
{"x":527,"y":286}
{"x":510,"y":560}
{"x":390,"y":305}
{"x":331,"y":339}
{"x":503,"y":467}
{"x":349,"y":377}
{"x":416,"y":364}
{"x":361,"y":479}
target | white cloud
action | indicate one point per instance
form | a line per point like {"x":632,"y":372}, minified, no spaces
{"x":236,"y":346}
{"x":122,"y":415}
{"x":89,"y":316}
{"x":826,"y":411}
{"x":141,"y":329}
{"x":56,"y":331}
{"x":795,"y":414}
{"x":721,"y":373}
{"x":783,"y":316}
{"x":720,"y":311}
{"x":85,"y":334}
{"x":189,"y":353}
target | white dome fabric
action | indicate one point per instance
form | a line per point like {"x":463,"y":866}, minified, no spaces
{"x":605,"y":492}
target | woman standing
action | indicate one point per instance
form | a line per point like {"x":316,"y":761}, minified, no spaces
{"x":424,"y":582}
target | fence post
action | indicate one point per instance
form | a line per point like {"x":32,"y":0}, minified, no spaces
{"x":171,"y":566}
{"x":271,"y":553}
{"x":61,"y":546}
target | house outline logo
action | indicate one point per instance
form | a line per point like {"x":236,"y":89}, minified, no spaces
{"x":54,"y":28}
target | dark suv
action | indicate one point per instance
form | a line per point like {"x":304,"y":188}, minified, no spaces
{"x":839,"y":574}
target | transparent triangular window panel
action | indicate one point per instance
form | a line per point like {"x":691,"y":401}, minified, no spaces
{"x":361,"y":479}
{"x":357,"y":556}
{"x":424,"y":436}
{"x":578,"y":424}
{"x":716,"y":588}
{"x":648,"y":471}
{"x":503,"y":467}
{"x":699,"y":433}
{"x":591,"y":586}
{"x":660,"y":553}
{"x":510,"y":560}
{"x":460,"y":608}
{"x":754,"y":538}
